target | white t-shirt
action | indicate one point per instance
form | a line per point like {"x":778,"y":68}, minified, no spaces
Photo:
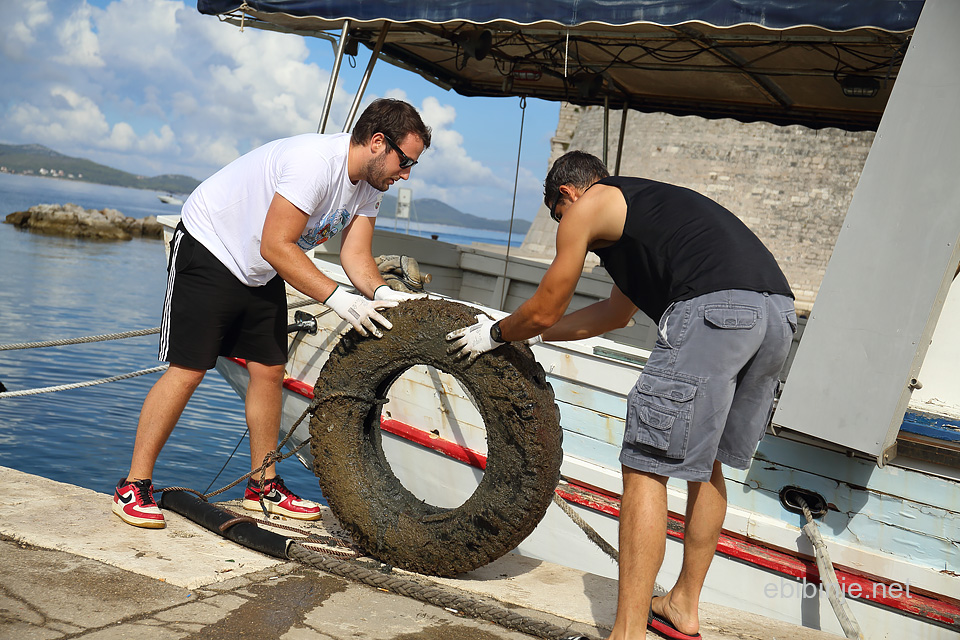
{"x":227,"y":211}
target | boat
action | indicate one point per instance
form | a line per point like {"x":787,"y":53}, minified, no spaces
{"x":170,"y":199}
{"x":866,"y":432}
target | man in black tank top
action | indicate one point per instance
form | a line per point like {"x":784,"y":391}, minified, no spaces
{"x":726,"y":320}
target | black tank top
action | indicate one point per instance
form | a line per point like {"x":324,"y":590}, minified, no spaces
{"x":678,"y":244}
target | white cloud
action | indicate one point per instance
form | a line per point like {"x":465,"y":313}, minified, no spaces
{"x":122,"y":137}
{"x":21,"y":21}
{"x":67,"y":116}
{"x":141,"y":35}
{"x":153,"y":86}
{"x":447,"y":161}
{"x":154,"y":142}
{"x":396,"y":93}
{"x":79,"y":44}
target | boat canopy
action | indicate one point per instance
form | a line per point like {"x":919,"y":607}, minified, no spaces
{"x":818,"y":63}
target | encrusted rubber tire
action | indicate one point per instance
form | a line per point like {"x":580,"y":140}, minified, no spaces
{"x":523,"y":444}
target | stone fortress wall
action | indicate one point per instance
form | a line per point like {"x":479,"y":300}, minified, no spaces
{"x":791,"y":185}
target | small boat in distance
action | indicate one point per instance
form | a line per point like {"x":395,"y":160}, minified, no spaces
{"x":170,"y":199}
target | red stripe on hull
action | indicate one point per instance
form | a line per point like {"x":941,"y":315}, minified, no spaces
{"x":865,"y":588}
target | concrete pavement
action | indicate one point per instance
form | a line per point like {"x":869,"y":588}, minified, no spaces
{"x":69,"y":568}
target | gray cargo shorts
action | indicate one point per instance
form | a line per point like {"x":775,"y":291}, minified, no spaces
{"x":707,"y":391}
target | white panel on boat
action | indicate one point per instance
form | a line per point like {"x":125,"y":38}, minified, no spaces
{"x":940,"y":390}
{"x":894,"y":259}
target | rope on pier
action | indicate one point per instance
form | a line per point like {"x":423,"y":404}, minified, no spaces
{"x":78,"y":385}
{"x":429,"y":593}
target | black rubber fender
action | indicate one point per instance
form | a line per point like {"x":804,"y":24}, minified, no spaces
{"x":213,"y":518}
{"x":524,"y":450}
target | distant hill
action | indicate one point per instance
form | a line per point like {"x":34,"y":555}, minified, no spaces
{"x":433,"y":211}
{"x":32,"y":158}
{"x":39,"y":160}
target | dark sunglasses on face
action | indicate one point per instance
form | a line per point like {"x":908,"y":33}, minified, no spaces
{"x":553,"y":210}
{"x":405,"y":161}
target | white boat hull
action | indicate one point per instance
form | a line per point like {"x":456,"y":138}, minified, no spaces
{"x":430,"y":422}
{"x":886,"y":528}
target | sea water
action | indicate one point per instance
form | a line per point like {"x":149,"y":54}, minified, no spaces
{"x":55,"y":288}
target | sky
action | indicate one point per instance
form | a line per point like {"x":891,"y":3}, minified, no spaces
{"x":153,"y":87}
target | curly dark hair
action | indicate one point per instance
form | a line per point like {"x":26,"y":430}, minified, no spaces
{"x":576,"y":168}
{"x":391,"y":117}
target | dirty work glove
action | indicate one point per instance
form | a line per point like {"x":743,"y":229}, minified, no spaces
{"x":359,"y":311}
{"x":470,"y":342}
{"x":384,"y":292}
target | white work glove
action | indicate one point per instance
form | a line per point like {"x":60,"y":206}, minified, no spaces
{"x":384,"y":292}
{"x":359,"y":311}
{"x":534,"y":340}
{"x":470,"y":342}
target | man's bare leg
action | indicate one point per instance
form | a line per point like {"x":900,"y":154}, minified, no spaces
{"x":158,"y":416}
{"x":264,"y":398}
{"x":643,"y":538}
{"x":706,"y":508}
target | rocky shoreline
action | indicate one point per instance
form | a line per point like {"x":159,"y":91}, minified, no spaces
{"x":75,"y":221}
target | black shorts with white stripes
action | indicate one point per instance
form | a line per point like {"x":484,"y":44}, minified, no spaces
{"x":207,"y":312}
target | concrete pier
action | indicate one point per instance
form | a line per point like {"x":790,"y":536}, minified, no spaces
{"x":69,"y":568}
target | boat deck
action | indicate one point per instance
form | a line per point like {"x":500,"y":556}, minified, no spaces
{"x":69,"y":567}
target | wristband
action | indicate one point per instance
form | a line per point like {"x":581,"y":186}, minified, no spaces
{"x":495,"y":334}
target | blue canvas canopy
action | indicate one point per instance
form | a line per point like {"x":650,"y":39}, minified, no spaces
{"x":815,"y":62}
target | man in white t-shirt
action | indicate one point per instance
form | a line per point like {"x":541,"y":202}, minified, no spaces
{"x":243,"y":233}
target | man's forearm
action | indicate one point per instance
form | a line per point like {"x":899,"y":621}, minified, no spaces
{"x":299,"y":272}
{"x":593,"y":320}
{"x":363,"y":272}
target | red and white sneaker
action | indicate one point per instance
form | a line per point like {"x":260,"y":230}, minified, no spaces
{"x":279,"y":500}
{"x":134,"y":503}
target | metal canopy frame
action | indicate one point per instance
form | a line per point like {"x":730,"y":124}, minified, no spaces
{"x":749,"y":72}
{"x":897,"y":252}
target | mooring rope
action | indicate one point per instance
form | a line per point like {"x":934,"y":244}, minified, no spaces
{"x":342,"y":558}
{"x":428,"y":592}
{"x":303,"y":303}
{"x":594,"y":536}
{"x":339,"y":561}
{"x":78,"y":385}
{"x":849,"y":624}
{"x":270,"y":458}
{"x":109,"y":336}
{"x":590,"y":532}
{"x":59,"y":343}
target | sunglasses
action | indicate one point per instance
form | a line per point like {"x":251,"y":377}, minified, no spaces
{"x":553,"y":209}
{"x":405,"y":161}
